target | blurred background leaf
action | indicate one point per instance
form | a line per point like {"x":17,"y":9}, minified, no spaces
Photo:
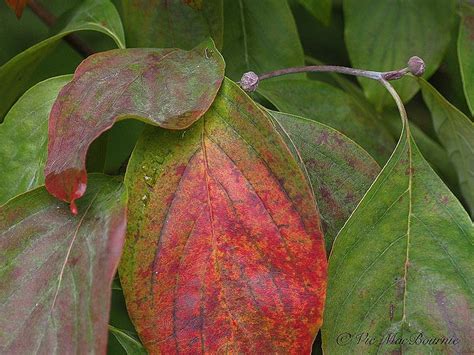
{"x":382,"y":35}
{"x":259,"y":36}
{"x":172,"y":24}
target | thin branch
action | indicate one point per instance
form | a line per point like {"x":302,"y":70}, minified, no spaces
{"x":49,"y":19}
{"x":416,"y":66}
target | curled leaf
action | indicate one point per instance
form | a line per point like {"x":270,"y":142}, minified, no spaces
{"x":170,"y":88}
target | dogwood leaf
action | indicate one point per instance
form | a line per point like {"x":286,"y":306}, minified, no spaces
{"x":172,"y":24}
{"x":24,"y":137}
{"x":382,"y":35}
{"x":401,"y":267}
{"x":170,"y":88}
{"x":339,"y":170}
{"x":324,"y":103}
{"x":465,"y":48}
{"x":224,"y":250}
{"x":57,"y":269}
{"x":249,"y":48}
{"x":456,"y":134}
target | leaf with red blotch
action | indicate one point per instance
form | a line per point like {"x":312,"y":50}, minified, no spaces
{"x":57,"y":269}
{"x":17,"y":5}
{"x":170,"y":88}
{"x":224,"y":250}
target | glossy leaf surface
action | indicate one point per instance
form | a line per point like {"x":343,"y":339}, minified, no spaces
{"x":24,"y":139}
{"x":93,"y":15}
{"x":172,"y":24}
{"x":18,"y":6}
{"x":170,"y":88}
{"x":402,"y":265}
{"x":326,"y":104}
{"x":57,"y":269}
{"x":456,"y":133}
{"x":339,"y":170}
{"x":224,"y":251}
{"x":466,"y":53}
{"x":247,"y":47}
{"x":382,"y":35}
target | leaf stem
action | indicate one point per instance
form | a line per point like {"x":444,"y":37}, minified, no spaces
{"x":49,"y":20}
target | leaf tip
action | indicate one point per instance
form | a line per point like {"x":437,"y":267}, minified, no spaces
{"x":76,"y":179}
{"x":73,"y":208}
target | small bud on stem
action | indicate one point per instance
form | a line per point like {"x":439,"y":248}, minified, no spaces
{"x":416,"y":66}
{"x":249,"y":81}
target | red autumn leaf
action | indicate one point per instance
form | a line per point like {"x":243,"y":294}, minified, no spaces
{"x":56,"y":269}
{"x":224,"y":251}
{"x":17,"y":5}
{"x":170,"y":88}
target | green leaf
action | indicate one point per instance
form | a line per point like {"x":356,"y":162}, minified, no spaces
{"x":431,"y":150}
{"x":170,"y":88}
{"x":95,"y":15}
{"x":382,"y":35}
{"x":224,"y":250}
{"x":402,"y":265}
{"x":172,"y":24}
{"x":339,"y":170}
{"x":466,"y":53}
{"x":57,"y":269}
{"x":321,"y":9}
{"x":129,"y":342}
{"x":456,"y":133}
{"x":326,"y":104}
{"x":259,"y":36}
{"x":24,"y":138}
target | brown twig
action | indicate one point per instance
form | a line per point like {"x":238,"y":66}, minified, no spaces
{"x":49,"y":19}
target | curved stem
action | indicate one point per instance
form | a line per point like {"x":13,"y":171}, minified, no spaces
{"x":398,"y":100}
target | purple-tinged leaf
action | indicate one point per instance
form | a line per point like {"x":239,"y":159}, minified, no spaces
{"x":57,"y":269}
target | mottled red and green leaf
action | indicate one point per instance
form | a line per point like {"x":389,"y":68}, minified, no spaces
{"x":224,"y":248}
